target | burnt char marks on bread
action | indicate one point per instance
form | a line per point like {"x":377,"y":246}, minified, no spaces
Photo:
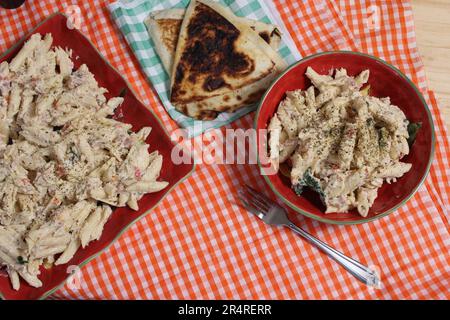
{"x":215,"y":37}
{"x":265,"y":35}
{"x":211,"y":53}
{"x":172,"y":29}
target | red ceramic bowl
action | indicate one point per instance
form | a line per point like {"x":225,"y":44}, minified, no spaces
{"x":131,"y":111}
{"x":385,"y":81}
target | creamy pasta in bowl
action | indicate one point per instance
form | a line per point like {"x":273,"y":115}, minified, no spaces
{"x":339,"y":140}
{"x":342,"y":140}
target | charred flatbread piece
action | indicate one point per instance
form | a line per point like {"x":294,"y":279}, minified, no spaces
{"x":216,"y":54}
{"x":209,"y":109}
{"x":164,"y":28}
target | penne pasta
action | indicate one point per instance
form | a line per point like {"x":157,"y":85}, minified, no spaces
{"x":340,"y":141}
{"x":63,"y":162}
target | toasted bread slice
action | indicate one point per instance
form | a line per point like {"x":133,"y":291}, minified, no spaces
{"x":164,"y":28}
{"x":215,"y":54}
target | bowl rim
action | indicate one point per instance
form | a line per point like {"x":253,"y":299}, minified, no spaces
{"x":364,"y":220}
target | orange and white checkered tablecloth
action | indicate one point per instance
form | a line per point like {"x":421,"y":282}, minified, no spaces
{"x":198,"y":243}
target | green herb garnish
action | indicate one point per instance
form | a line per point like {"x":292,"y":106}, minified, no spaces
{"x":20,"y":260}
{"x":123,"y":92}
{"x":413,"y":129}
{"x":311,"y":182}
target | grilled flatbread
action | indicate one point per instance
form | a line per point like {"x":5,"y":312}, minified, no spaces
{"x":216,"y":53}
{"x":209,"y":109}
{"x":164,"y":28}
{"x":268,"y":32}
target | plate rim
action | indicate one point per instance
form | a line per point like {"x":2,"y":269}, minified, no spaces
{"x":141,"y":216}
{"x":375,"y":217}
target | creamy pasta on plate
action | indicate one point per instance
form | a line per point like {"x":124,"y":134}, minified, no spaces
{"x":64,"y":161}
{"x":339,"y":141}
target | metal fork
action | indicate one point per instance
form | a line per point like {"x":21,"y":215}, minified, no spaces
{"x":272,"y":214}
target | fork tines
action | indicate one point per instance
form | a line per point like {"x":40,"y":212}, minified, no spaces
{"x":253,"y":201}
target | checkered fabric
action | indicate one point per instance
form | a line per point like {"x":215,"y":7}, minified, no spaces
{"x":198,"y":243}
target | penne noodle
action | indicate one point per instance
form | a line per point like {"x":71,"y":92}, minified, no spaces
{"x":69,"y":252}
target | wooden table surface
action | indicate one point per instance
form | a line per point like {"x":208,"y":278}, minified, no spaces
{"x":432,"y":19}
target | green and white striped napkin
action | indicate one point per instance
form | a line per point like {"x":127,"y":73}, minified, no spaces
{"x":129,"y":16}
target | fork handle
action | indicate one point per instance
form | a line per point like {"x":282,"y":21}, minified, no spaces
{"x":358,"y":270}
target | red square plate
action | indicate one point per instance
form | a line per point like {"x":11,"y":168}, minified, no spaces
{"x":135,"y":113}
